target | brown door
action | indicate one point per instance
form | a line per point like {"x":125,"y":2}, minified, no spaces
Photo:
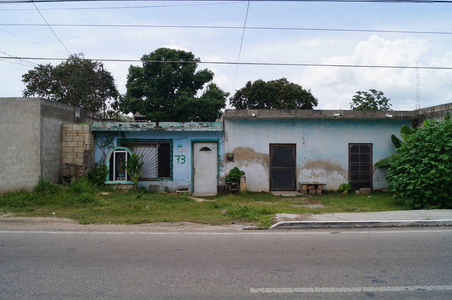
{"x":282,"y":167}
{"x":360,"y":165}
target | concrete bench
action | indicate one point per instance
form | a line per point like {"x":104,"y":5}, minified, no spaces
{"x":311,"y":188}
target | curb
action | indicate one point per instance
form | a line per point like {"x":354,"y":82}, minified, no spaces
{"x":360,"y":224}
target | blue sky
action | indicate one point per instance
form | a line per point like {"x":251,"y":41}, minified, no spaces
{"x":334,"y":87}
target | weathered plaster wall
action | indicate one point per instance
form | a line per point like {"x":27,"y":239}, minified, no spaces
{"x":182,"y":165}
{"x":20,"y":134}
{"x":321,"y":145}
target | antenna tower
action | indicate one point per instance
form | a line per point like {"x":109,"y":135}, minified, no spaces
{"x":418,"y":87}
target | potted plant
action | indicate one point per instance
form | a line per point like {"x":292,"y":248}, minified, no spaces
{"x":233,"y":178}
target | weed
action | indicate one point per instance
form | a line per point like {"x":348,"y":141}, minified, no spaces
{"x":247,"y":213}
{"x":81,"y":186}
{"x":45,"y":187}
{"x":98,"y":175}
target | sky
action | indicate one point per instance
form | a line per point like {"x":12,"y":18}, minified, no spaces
{"x":301,"y":41}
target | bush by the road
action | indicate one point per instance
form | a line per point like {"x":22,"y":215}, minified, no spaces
{"x":420,"y":172}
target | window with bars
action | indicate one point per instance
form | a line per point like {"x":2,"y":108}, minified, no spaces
{"x":360,"y":165}
{"x":156,"y":156}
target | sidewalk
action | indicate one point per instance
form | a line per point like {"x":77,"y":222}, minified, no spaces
{"x":406,"y":218}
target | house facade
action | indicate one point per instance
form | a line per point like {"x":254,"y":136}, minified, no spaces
{"x":280,"y":149}
{"x":277,"y":149}
{"x":176,"y":156}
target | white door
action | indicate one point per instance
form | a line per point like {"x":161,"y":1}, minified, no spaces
{"x":205,"y":168}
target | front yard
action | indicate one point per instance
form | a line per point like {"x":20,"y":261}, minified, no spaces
{"x":88,"y":204}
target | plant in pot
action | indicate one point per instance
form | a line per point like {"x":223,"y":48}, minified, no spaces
{"x":345,"y":188}
{"x":233,"y":178}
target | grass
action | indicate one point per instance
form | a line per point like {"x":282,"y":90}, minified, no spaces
{"x":88,"y":204}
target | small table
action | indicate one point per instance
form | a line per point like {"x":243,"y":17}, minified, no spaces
{"x":311,"y":188}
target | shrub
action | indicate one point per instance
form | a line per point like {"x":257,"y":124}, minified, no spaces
{"x":45,"y":187}
{"x":345,"y":188}
{"x":234,"y":175}
{"x":133,"y":167}
{"x":420,"y":171}
{"x":81,"y":186}
{"x":98,"y":175}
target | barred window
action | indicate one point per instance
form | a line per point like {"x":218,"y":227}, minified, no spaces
{"x":156,"y":156}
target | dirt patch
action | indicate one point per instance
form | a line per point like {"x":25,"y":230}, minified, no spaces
{"x":8,"y":222}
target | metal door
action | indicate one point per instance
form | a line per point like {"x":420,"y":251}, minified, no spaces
{"x":360,"y":165}
{"x":205,"y":168}
{"x":282,"y":167}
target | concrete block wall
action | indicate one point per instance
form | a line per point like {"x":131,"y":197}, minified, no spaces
{"x":20,"y":134}
{"x":77,"y":150}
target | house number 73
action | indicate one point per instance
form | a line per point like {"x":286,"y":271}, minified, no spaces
{"x":180,"y":159}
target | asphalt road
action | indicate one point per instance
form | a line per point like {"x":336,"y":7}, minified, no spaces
{"x":411,"y":263}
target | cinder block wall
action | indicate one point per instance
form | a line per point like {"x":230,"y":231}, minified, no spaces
{"x":20,"y":134}
{"x":77,"y":150}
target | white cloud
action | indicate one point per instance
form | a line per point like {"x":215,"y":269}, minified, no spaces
{"x":336,"y":86}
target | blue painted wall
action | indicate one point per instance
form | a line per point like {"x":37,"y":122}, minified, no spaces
{"x":181,"y":152}
{"x":321,"y":147}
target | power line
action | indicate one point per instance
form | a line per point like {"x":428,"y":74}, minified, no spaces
{"x":241,"y":43}
{"x":243,"y":63}
{"x":18,"y":36}
{"x":123,"y":7}
{"x":231,"y":27}
{"x":19,"y":60}
{"x":352,"y":1}
{"x":51,"y":28}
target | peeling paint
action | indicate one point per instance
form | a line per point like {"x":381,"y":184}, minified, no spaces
{"x":323,"y":171}
{"x":163,"y":126}
{"x":245,"y":156}
{"x":326,"y":165}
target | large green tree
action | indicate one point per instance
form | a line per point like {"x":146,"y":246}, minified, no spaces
{"x":77,"y":81}
{"x":274,"y":94}
{"x":419,"y":172}
{"x":371,"y":100}
{"x":166,"y":88}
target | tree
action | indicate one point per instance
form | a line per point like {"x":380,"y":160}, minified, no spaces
{"x":274,"y":94}
{"x":77,"y":81}
{"x":419,"y":172}
{"x":372,"y":100}
{"x":165,"y":88}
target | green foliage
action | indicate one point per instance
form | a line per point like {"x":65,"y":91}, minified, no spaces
{"x":372,"y":100}
{"x":345,"y":188}
{"x":98,"y":175}
{"x":405,"y":131}
{"x":165,"y":88}
{"x":234,"y":175}
{"x":77,"y":81}
{"x":45,"y":187}
{"x":133,"y":167}
{"x":81,"y":186}
{"x":396,"y":141}
{"x":420,"y":171}
{"x":246,"y":213}
{"x":274,"y":94}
